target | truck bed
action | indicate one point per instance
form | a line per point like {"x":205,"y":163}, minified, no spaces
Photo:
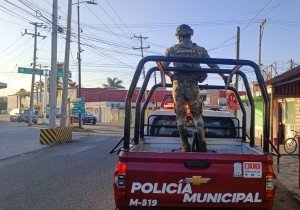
{"x":214,"y":145}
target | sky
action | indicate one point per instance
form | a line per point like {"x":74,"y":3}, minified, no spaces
{"x":108,"y":28}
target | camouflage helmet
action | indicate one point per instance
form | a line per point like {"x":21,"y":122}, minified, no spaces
{"x":183,"y":30}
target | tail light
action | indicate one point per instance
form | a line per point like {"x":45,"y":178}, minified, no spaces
{"x":270,"y":182}
{"x":119,"y":179}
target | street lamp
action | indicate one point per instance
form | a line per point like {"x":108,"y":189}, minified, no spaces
{"x":79,"y":51}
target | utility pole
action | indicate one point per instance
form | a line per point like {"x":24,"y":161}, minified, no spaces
{"x":64,"y":100}
{"x":35,"y":35}
{"x":291,"y":64}
{"x":141,"y":38}
{"x":261,"y":31}
{"x":236,"y":85}
{"x":53,"y":75}
{"x":79,"y":62}
{"x":44,"y":109}
{"x":237,"y":55}
{"x":91,"y":2}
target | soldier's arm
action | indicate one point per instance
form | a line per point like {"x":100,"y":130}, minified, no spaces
{"x":213,"y":66}
{"x":162,"y":65}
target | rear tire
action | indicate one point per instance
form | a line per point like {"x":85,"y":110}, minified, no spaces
{"x":290,"y":145}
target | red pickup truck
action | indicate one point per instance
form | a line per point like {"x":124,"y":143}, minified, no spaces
{"x":152,"y":173}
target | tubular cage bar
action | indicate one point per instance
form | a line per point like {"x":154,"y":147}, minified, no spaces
{"x":213,"y":87}
{"x":139,"y":119}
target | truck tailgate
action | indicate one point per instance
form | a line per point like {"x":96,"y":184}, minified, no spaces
{"x":193,"y":180}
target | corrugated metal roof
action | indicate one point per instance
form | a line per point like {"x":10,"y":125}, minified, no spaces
{"x":285,"y":77}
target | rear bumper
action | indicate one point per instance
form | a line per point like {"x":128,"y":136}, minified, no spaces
{"x":214,"y":208}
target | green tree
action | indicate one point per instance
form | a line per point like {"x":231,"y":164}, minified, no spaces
{"x":39,"y":87}
{"x":113,"y":83}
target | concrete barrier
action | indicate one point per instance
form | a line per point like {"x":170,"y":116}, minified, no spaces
{"x":57,"y":135}
{"x":63,"y":134}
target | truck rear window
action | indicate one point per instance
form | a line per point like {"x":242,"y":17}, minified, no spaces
{"x":222,"y":127}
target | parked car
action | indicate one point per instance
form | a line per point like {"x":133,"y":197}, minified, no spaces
{"x":14,"y":114}
{"x":86,"y":118}
{"x":22,"y":116}
{"x":57,"y":112}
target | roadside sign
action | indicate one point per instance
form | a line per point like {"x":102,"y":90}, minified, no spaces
{"x":76,"y":111}
{"x":24,"y":70}
{"x":79,"y":106}
{"x":60,"y":73}
{"x":232,"y":101}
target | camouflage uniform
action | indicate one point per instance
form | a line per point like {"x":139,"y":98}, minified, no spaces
{"x":185,"y":87}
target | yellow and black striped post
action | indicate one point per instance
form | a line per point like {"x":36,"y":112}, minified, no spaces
{"x":57,"y":135}
{"x":64,"y":134}
{"x":48,"y":136}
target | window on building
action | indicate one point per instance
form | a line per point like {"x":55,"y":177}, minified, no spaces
{"x":290,"y":112}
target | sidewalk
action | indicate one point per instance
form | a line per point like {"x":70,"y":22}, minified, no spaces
{"x":288,"y":174}
{"x":18,"y":138}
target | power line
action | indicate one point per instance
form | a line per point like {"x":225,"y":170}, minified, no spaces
{"x":233,"y":37}
{"x":10,"y":45}
{"x":119,"y":17}
{"x":13,"y":14}
{"x":256,"y":16}
{"x":8,"y":21}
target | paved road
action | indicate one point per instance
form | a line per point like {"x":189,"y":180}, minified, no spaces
{"x":75,"y":175}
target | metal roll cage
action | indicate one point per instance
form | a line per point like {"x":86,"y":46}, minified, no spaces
{"x":140,"y":114}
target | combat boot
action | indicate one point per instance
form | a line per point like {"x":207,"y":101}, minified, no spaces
{"x":185,"y":146}
{"x":201,"y":143}
{"x":202,"y":146}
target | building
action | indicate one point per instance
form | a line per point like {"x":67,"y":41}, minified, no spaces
{"x":285,"y":104}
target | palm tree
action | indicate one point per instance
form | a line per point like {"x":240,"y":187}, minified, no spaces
{"x":22,"y":93}
{"x":113,"y":83}
{"x":39,"y":87}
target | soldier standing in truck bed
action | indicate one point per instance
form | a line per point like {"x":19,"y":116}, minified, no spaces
{"x":185,"y":85}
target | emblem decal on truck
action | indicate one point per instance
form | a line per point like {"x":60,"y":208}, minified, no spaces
{"x":197,"y":180}
{"x":237,"y":170}
{"x":252,"y":170}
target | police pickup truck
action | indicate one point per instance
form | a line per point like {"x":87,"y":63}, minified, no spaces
{"x":152,"y":173}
